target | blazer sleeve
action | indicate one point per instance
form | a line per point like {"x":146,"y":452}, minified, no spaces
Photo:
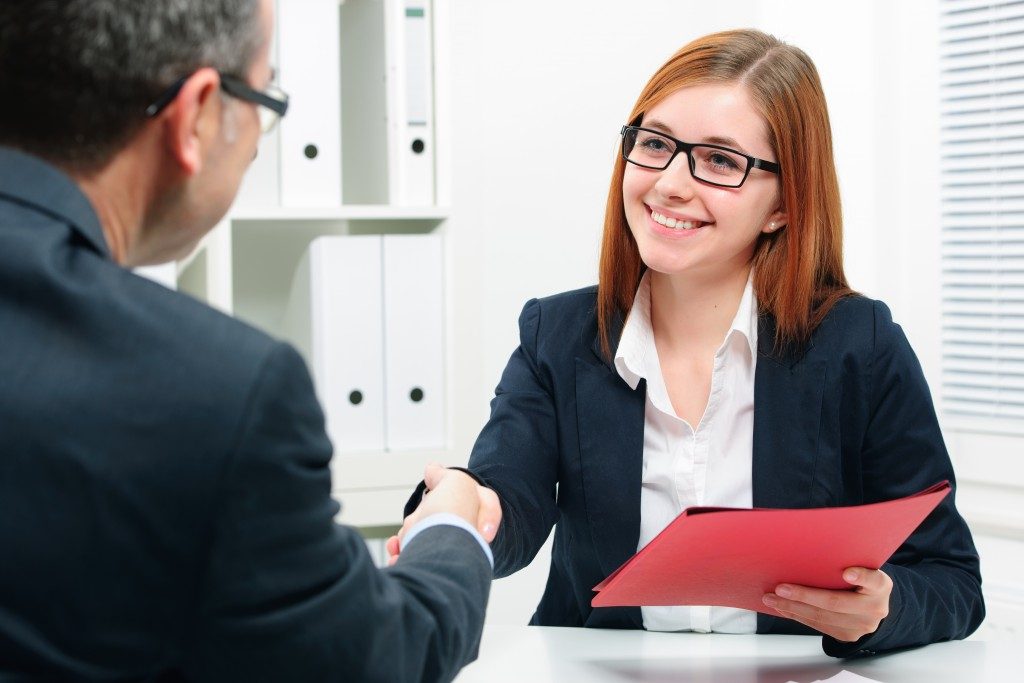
{"x":290,"y":595}
{"x":516,"y":453}
{"x":936,"y":578}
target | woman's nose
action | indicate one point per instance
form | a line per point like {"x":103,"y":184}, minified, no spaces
{"x":676,"y":181}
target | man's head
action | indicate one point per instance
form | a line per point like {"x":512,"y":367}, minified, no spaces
{"x":78,"y":76}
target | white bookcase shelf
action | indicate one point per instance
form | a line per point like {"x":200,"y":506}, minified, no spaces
{"x":361,"y":212}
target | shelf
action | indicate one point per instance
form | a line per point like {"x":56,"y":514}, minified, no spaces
{"x":383,"y":469}
{"x":360,"y":212}
{"x":380,"y":508}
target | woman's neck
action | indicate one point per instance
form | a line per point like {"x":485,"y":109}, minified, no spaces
{"x":695,"y":312}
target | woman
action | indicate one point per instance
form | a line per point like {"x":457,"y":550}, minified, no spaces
{"x":723,"y":360}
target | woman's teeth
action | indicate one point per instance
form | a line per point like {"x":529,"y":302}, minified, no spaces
{"x":673,"y":223}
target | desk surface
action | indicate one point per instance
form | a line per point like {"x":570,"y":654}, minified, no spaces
{"x":538,"y":654}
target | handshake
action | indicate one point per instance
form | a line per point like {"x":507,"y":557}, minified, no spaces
{"x":453,"y":492}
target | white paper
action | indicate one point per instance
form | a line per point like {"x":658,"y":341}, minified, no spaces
{"x":846,"y":677}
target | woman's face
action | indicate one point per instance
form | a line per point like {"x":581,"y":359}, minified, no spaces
{"x":714,"y":228}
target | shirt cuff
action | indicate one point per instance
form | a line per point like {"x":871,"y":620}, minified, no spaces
{"x":449,"y":519}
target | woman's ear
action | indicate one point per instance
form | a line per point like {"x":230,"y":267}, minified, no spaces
{"x":775,"y":222}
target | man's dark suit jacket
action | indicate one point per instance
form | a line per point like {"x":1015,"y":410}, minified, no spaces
{"x":165,"y":503}
{"x":847,"y":421}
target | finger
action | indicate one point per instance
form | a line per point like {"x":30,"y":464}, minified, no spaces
{"x":490,"y":513}
{"x":392,"y":560}
{"x":433,"y":474}
{"x":868,"y":581}
{"x":391,"y":545}
{"x":843,"y":601}
{"x":802,"y":612}
{"x":409,"y":523}
{"x":842,"y":634}
{"x":863,"y":621}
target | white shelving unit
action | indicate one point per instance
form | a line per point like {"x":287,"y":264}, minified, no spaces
{"x":246,"y":264}
{"x":355,"y":212}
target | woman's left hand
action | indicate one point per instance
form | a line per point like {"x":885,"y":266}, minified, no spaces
{"x":844,"y":615}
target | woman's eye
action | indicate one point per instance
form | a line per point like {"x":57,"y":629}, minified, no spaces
{"x":654,"y":145}
{"x":722,"y":161}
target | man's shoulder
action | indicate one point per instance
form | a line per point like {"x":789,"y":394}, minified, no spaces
{"x":194,"y":362}
{"x":192,"y":330}
{"x":62,"y":282}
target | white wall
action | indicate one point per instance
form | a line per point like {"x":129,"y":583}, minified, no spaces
{"x":529,"y":226}
{"x":525,"y":225}
{"x":526,"y":215}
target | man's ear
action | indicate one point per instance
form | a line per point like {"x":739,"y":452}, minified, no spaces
{"x":775,"y":222}
{"x":192,"y":120}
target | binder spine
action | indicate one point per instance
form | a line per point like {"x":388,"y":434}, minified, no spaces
{"x":310,"y":72}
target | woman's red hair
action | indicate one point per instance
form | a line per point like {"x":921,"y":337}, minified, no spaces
{"x":798,"y":270}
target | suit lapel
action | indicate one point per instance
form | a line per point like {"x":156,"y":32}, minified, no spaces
{"x":788,"y":392}
{"x":610,"y":419}
{"x":610,"y":416}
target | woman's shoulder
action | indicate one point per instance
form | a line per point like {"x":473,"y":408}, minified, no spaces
{"x":858,"y":320}
{"x":857,"y":310}
{"x":574,"y":298}
{"x":567,"y":316}
{"x":574,"y":303}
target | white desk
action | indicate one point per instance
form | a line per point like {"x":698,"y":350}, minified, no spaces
{"x":537,"y":654}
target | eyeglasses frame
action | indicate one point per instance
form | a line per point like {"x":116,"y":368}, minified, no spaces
{"x":752,"y":162}
{"x":236,"y":87}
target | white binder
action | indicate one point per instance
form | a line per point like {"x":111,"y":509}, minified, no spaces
{"x":310,"y":72}
{"x":414,"y":342}
{"x":364,"y":102}
{"x":334,"y":317}
{"x":410,"y":102}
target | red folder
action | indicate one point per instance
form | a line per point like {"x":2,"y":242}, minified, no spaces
{"x":731,"y":557}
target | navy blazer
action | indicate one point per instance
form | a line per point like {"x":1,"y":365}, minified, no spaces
{"x":847,"y":421}
{"x":165,"y":487}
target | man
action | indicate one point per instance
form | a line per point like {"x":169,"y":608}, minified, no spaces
{"x":164,"y":472}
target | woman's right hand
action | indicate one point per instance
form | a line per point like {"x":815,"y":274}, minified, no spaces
{"x":451,"y":491}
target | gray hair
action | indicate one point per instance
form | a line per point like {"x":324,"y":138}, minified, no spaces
{"x":77,"y":75}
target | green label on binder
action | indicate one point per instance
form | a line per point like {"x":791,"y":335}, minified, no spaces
{"x":414,"y":12}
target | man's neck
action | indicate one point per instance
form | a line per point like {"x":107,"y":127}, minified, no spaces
{"x":119,"y":196}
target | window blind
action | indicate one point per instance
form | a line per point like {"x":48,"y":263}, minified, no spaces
{"x":982,"y":195}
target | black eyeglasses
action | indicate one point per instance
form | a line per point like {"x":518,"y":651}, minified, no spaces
{"x":273,"y":102}
{"x":712,"y":164}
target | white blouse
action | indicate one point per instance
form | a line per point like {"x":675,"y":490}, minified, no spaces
{"x":685,"y":466}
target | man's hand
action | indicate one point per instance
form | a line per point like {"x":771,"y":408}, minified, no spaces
{"x":844,"y":615}
{"x":455,"y":492}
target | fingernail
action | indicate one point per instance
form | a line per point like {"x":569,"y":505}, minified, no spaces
{"x":770,"y":600}
{"x":784,"y":591}
{"x":850,"y":575}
